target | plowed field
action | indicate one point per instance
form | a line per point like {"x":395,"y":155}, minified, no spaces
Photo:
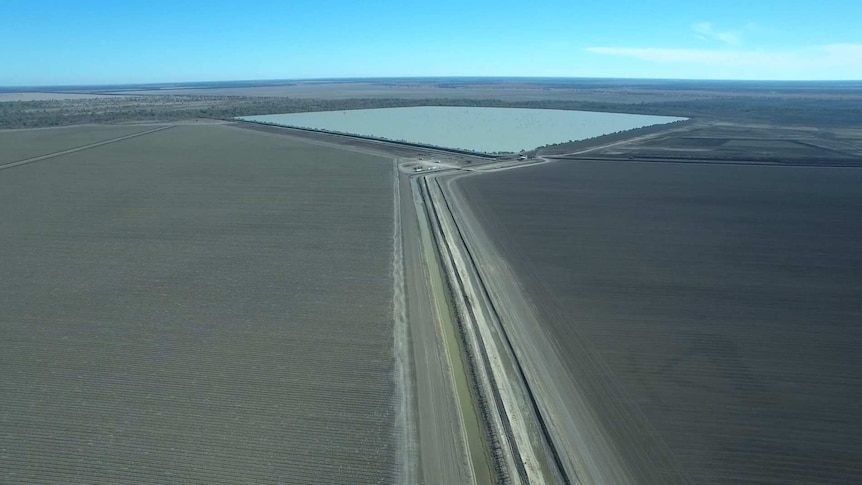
{"x":709,"y":313}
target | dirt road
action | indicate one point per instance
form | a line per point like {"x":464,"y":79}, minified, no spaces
{"x":444,"y":454}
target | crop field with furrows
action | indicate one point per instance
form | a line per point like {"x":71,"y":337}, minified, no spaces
{"x":18,"y":145}
{"x":701,"y":141}
{"x":200,"y":304}
{"x":710,"y":313}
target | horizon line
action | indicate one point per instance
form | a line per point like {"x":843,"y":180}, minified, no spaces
{"x":275,"y":81}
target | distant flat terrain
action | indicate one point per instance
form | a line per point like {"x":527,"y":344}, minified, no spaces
{"x":712,"y":311}
{"x":628,"y":91}
{"x":199,"y":304}
{"x":818,"y":104}
{"x":48,"y":96}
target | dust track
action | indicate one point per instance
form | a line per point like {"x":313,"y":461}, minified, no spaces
{"x":405,"y":426}
{"x":78,"y":149}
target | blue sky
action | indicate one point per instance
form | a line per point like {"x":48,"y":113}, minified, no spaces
{"x":97,"y":42}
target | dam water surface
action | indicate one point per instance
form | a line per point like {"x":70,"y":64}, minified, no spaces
{"x":486,"y":130}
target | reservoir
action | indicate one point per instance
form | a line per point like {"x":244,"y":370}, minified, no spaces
{"x":486,"y":130}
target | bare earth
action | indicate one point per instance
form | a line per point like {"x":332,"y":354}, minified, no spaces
{"x":234,"y":302}
{"x":198,"y":304}
{"x":699,"y":320}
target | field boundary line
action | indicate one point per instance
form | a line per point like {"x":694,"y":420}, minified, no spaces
{"x":407,"y":144}
{"x":706,"y":160}
{"x":447,"y":321}
{"x":624,"y":141}
{"x":372,"y":146}
{"x":504,"y":445}
{"x":520,"y":391}
{"x":80,"y":148}
{"x":404,"y":396}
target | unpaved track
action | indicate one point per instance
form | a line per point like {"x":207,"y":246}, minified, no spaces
{"x":552,"y":432}
{"x":688,"y":126}
{"x":442,"y":454}
{"x":544,"y":431}
{"x":405,"y":395}
{"x":516,"y":443}
{"x":493,"y":389}
{"x":80,"y":148}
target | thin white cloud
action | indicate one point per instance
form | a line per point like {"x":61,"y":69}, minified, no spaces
{"x":845,"y":52}
{"x":831,"y":55}
{"x":705,"y":31}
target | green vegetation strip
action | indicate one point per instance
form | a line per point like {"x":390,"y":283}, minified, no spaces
{"x":471,"y":423}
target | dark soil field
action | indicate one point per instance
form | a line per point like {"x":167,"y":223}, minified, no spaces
{"x":16,"y":145}
{"x":745,"y":143}
{"x":203,"y":304}
{"x":707,"y":311}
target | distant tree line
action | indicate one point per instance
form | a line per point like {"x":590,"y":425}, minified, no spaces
{"x":786,"y":111}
